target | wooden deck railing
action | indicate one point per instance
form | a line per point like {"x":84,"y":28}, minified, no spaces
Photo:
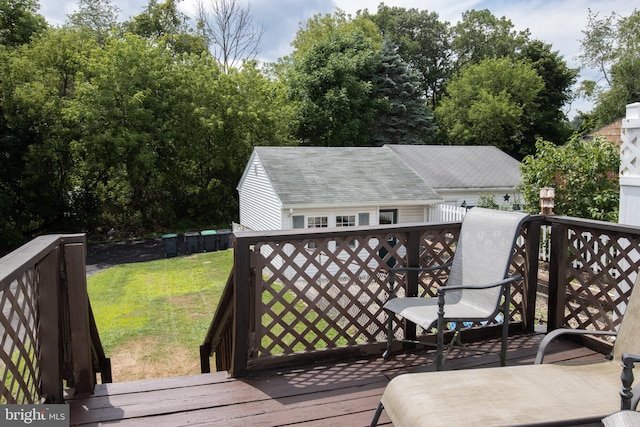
{"x":300,"y":296}
{"x":49,"y":335}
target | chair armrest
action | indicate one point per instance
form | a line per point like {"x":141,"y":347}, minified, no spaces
{"x":445,"y":289}
{"x":628,"y":401}
{"x":557,"y":332}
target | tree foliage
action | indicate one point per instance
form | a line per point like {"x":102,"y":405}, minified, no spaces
{"x":407,"y":119}
{"x":146,"y":125}
{"x":424,"y":42}
{"x":19,"y":22}
{"x":331,"y":80}
{"x":126,"y":134}
{"x":612,"y":46}
{"x":487,"y":104}
{"x":583,"y":172}
{"x":165,"y":24}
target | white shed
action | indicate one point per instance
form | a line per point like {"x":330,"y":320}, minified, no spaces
{"x":307,"y":187}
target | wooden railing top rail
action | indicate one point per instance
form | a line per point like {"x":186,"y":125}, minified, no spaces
{"x":592,"y":223}
{"x":28,"y":255}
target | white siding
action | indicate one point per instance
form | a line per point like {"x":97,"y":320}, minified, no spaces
{"x":411,"y":214}
{"x":260,"y":207}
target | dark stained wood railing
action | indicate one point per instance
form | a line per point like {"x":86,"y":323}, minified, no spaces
{"x":49,"y":337}
{"x":303,"y":295}
{"x":592,"y":270}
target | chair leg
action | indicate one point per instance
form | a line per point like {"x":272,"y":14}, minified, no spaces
{"x":376,"y":416}
{"x":387,"y":352}
{"x":505,"y":325}
{"x":503,"y":345}
{"x":440,"y":347}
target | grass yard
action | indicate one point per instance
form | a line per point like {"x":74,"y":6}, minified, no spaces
{"x":153,"y":316}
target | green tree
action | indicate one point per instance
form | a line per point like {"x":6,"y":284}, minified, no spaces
{"x":99,"y":16}
{"x":165,"y":24}
{"x":487,"y":104}
{"x":423,"y":41}
{"x":612,"y":46}
{"x":548,"y":119}
{"x":37,"y":86}
{"x":408,"y":119}
{"x":481,"y":35}
{"x":330,"y":77}
{"x":583,"y":172}
{"x":20,"y":22}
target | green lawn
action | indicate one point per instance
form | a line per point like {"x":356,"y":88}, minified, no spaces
{"x":153,"y":316}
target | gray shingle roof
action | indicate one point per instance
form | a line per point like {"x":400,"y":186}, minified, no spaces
{"x":459,"y":167}
{"x":343,"y":176}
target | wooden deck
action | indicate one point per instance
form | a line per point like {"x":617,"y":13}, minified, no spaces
{"x":344,"y":394}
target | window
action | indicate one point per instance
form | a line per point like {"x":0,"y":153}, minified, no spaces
{"x":345,"y":221}
{"x":298,"y":221}
{"x":317,"y":222}
{"x":389,"y":216}
{"x":363,"y":218}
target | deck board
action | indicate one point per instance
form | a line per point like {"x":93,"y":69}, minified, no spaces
{"x":325,"y":395}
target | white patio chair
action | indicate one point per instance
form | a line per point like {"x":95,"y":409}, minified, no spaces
{"x":478,"y":286}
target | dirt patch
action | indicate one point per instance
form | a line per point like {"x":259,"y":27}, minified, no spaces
{"x":141,"y":359}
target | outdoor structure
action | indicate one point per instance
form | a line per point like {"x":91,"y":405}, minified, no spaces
{"x":315,"y":187}
{"x":630,"y":167}
{"x":611,"y":132}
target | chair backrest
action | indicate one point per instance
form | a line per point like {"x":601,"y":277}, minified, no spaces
{"x":484,"y":250}
{"x":628,"y":339}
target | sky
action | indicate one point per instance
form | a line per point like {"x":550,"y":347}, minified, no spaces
{"x":557,"y":22}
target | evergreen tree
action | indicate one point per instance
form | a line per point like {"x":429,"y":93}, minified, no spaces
{"x":407,"y":120}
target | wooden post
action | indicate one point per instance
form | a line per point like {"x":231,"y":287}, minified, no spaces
{"x":413,"y":260}
{"x":49,"y":333}
{"x":531,"y":275}
{"x":242,"y":306}
{"x":557,"y":276}
{"x":79,"y":323}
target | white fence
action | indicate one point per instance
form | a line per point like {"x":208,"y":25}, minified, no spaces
{"x":445,"y":213}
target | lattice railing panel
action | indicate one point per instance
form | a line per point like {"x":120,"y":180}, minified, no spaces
{"x":326,"y":293}
{"x":323,"y":293}
{"x":19,"y":349}
{"x":601,"y":271}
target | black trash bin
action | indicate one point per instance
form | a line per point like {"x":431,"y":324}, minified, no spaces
{"x":192,"y":242}
{"x":170,"y":244}
{"x":209,"y":240}
{"x":224,"y":239}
